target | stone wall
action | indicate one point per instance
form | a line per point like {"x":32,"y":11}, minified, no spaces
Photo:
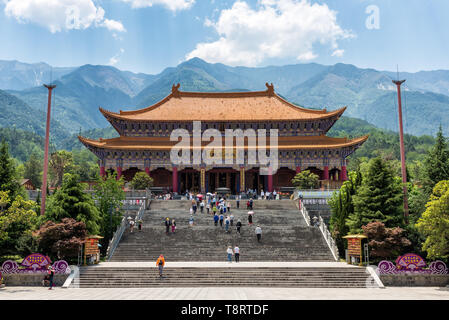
{"x":417,"y":280}
{"x":32,"y":280}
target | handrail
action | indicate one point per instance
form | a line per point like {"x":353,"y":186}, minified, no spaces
{"x":328,"y":237}
{"x":322,"y":226}
{"x":121,"y":229}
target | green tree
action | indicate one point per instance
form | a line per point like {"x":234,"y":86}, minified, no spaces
{"x":379,"y":198}
{"x":436,"y":164}
{"x":59,"y":163}
{"x":305,"y":180}
{"x":70,"y":201}
{"x":141,"y":181}
{"x":434,"y":223}
{"x":341,"y":204}
{"x":16,"y":225}
{"x":109,"y":194}
{"x":33,"y":170}
{"x":8,"y":174}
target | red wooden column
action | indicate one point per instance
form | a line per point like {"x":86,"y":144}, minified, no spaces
{"x":119,"y":172}
{"x":147,"y":170}
{"x":343,"y":175}
{"x":270,"y":179}
{"x":102,"y":172}
{"x":326,"y":173}
{"x":175,"y":179}
{"x":298,"y":169}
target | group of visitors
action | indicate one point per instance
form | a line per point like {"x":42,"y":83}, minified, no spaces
{"x":235,"y":253}
{"x":131,"y":224}
{"x":268,"y":195}
{"x":170,"y":224}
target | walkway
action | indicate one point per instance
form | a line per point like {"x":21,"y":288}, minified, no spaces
{"x":213,"y":293}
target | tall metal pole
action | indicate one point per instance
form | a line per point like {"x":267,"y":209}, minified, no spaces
{"x":47,"y":140}
{"x":401,"y":140}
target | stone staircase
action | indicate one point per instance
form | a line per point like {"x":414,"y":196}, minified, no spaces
{"x":345,"y":277}
{"x":285,"y":235}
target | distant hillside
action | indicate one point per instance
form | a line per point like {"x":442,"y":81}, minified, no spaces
{"x":367,"y":93}
{"x":15,"y":75}
{"x":14,"y":113}
{"x":22,"y":143}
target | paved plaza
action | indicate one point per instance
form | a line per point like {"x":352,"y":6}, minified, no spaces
{"x":228,"y":293}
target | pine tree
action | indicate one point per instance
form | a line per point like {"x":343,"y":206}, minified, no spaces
{"x":379,"y":198}
{"x":8,"y":175}
{"x":70,"y":201}
{"x":33,"y":170}
{"x":436,"y":164}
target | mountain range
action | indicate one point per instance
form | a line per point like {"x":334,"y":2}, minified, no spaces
{"x":368,"y":94}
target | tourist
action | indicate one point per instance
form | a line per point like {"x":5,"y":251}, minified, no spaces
{"x":173,"y":226}
{"x":250,"y":217}
{"x":214,"y":209}
{"x":247,"y":205}
{"x":202,"y":206}
{"x":262,"y":195}
{"x":160,"y":263}
{"x":194,"y":206}
{"x":191,"y":221}
{"x":191,"y":210}
{"x":231,"y":218}
{"x":238,"y":225}
{"x":221,"y":219}
{"x":208,"y":208}
{"x":315,"y":221}
{"x":227,"y":223}
{"x":51,"y":274}
{"x":258,"y":233}
{"x":251,"y":203}
{"x":230,"y":253}
{"x":274,"y":194}
{"x":237,"y":253}
{"x":228,"y":205}
{"x":167,"y":226}
{"x":131,"y":225}
{"x":140,"y":224}
{"x":215,"y":219}
{"x":237,"y":200}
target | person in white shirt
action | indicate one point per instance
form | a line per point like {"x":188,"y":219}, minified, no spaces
{"x":262,"y":195}
{"x":230,"y":253}
{"x":258,"y":233}
{"x":237,"y":253}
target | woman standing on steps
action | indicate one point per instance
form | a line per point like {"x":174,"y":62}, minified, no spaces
{"x":230,"y":253}
{"x":173,"y":226}
{"x":238,"y":225}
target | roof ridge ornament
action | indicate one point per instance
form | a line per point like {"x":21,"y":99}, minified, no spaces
{"x":270,"y":89}
{"x":175,"y":90}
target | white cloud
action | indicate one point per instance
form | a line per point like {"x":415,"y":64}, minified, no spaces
{"x":275,"y":29}
{"x":59,"y":15}
{"x":172,"y":5}
{"x":115,"y":59}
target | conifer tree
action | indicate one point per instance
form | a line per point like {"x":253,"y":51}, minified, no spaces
{"x":33,"y":170}
{"x":8,"y":175}
{"x":70,"y":201}
{"x":379,"y":198}
{"x":436,"y":164}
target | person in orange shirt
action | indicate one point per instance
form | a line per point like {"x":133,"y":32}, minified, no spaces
{"x":160,"y":263}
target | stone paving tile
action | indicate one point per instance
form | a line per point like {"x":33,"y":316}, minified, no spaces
{"x":219,"y":293}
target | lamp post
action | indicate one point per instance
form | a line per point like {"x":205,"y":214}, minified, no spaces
{"x":47,"y":139}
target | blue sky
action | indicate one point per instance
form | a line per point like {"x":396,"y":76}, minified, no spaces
{"x":150,"y":35}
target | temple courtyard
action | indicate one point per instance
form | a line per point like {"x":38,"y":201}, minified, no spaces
{"x":225,"y":293}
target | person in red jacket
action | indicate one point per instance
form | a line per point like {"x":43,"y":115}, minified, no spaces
{"x":160,"y":263}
